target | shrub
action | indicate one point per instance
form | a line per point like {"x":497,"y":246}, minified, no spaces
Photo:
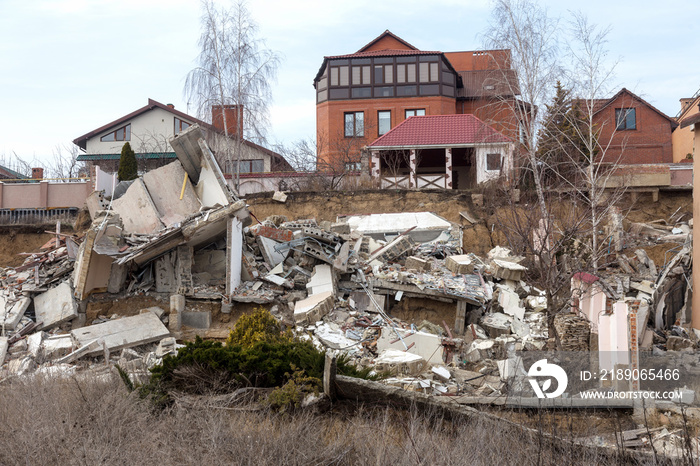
{"x":128,"y":168}
{"x":256,"y":327}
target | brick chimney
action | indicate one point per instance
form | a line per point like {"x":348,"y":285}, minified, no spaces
{"x":217,"y":118}
{"x":37,"y":173}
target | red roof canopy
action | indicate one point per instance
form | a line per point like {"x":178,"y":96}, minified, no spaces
{"x":440,"y":130}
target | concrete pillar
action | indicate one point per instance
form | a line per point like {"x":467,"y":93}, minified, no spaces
{"x":461,"y":317}
{"x":234,"y":254}
{"x":177,"y":307}
{"x":43,"y":194}
{"x":1,"y":186}
{"x":448,"y":168}
{"x":412,"y":177}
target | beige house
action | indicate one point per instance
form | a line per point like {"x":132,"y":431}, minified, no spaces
{"x":149,"y":129}
{"x":683,"y":136}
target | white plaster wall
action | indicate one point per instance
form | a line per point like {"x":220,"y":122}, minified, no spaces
{"x":218,"y":146}
{"x":482,"y":174}
{"x":613,"y":340}
{"x":150,"y":132}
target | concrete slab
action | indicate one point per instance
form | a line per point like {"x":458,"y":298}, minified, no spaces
{"x":211,"y":188}
{"x":55,"y":306}
{"x":3,"y":349}
{"x":12,"y":313}
{"x":196,"y":319}
{"x":122,"y":333}
{"x":426,"y":345}
{"x":313,"y":308}
{"x":137,"y":210}
{"x":428,"y":226}
{"x":267,"y":249}
{"x":165,"y":185}
{"x":397,"y":362}
{"x":321,"y":280}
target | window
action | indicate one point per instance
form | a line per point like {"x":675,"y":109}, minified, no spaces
{"x":383,"y":74}
{"x":353,"y":166}
{"x":626,"y":118}
{"x":122,"y":134}
{"x":354,"y":124}
{"x":340,"y":75}
{"x":493,"y":161}
{"x":180,"y":125}
{"x":415,"y":112}
{"x":428,"y":72}
{"x":384,"y":121}
{"x":248,"y":166}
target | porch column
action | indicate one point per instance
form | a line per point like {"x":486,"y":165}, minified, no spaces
{"x":375,"y":170}
{"x":412,"y":177}
{"x":448,"y":168}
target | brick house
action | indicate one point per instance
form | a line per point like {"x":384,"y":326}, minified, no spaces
{"x":683,"y":136}
{"x":363,"y":95}
{"x":149,"y":128}
{"x":634,"y":131}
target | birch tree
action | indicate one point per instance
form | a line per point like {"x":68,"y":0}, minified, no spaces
{"x":233,"y":68}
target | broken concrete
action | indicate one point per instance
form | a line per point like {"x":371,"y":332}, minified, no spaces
{"x":55,"y":306}
{"x":122,"y":333}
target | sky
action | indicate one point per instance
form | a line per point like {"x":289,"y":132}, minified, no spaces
{"x":68,"y":67}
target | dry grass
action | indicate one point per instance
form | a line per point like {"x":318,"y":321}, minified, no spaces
{"x":85,"y":422}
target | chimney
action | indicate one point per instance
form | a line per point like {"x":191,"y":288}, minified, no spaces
{"x":235,"y":127}
{"x":37,"y":173}
{"x":171,"y":106}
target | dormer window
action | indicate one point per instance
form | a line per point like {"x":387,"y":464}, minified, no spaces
{"x":180,"y":125}
{"x":121,"y":134}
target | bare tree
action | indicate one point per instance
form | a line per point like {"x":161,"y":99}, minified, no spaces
{"x":233,"y":68}
{"x":531,"y":35}
{"x":64,"y":163}
{"x":590,"y":74}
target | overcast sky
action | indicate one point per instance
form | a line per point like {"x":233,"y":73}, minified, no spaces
{"x":70,"y":66}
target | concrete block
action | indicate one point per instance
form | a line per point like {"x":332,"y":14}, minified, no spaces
{"x":399,"y":363}
{"x":55,"y":306}
{"x":184,"y":270}
{"x":395,"y":249}
{"x":122,"y":333}
{"x":507,"y":270}
{"x":196,"y":319}
{"x":57,"y":346}
{"x":166,"y":346}
{"x":459,"y":264}
{"x":279,"y":196}
{"x":177,"y":307}
{"x":84,"y":350}
{"x":416,"y":263}
{"x":426,"y":345}
{"x":313,"y":308}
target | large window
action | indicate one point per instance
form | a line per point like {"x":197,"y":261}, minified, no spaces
{"x":180,"y":125}
{"x":415,"y":112}
{"x":122,"y":134}
{"x":247,"y":166}
{"x":354,"y":124}
{"x":626,"y":118}
{"x":384,"y":121}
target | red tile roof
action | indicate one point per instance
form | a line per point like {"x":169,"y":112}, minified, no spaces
{"x":440,"y":130}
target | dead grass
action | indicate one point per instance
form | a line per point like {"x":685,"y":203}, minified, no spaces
{"x":88,"y":422}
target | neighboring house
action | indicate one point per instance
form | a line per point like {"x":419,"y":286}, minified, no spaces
{"x":8,"y":174}
{"x":692,"y":122}
{"x":683,"y":136}
{"x":440,"y":151}
{"x":361,"y":96}
{"x":633,"y":130}
{"x":149,"y":129}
